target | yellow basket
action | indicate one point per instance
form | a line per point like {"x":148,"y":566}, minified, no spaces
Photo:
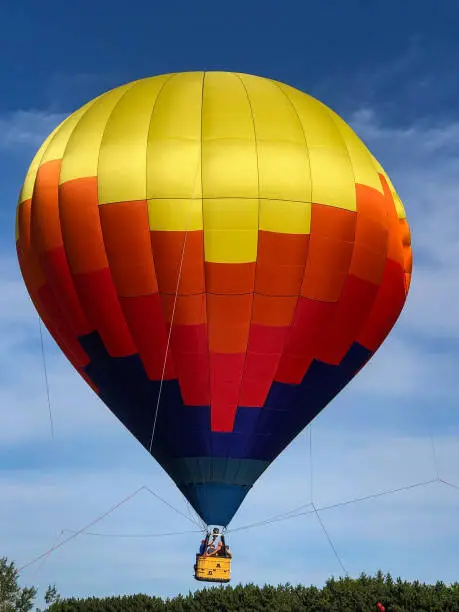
{"x":212,"y":569}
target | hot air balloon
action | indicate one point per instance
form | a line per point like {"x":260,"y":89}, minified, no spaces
{"x":217,"y":254}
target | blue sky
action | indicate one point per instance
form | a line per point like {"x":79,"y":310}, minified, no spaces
{"x":390,"y":70}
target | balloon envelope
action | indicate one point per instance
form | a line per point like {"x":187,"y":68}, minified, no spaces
{"x":223,"y":233}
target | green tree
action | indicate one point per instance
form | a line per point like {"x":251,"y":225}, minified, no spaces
{"x":51,"y":595}
{"x":14,"y":598}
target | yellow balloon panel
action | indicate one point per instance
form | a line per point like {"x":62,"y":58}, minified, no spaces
{"x":231,"y":230}
{"x":82,"y":152}
{"x":174,"y":139}
{"x":364,"y":170}
{"x":177,"y":111}
{"x":226,"y":112}
{"x":175,"y":214}
{"x":229,"y":169}
{"x":285,"y":217}
{"x":122,"y":164}
{"x":332,"y":187}
{"x":327,"y":149}
{"x":57,"y":145}
{"x":29,"y":181}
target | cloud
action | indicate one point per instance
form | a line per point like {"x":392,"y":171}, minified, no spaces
{"x":65,"y":92}
{"x":403,"y":368}
{"x":22,"y":389}
{"x":27,"y":128}
{"x":415,"y":83}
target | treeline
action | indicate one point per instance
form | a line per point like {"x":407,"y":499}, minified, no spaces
{"x":338,"y":595}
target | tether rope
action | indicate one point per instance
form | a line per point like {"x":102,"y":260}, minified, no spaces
{"x":45,"y":374}
{"x":179,"y":277}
